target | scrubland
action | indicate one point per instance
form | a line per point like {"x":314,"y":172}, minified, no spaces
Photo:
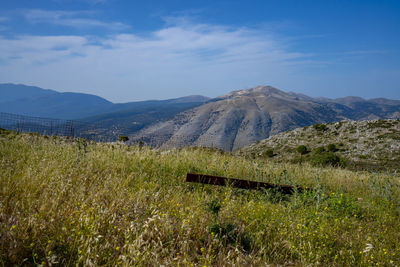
{"x":72,"y":202}
{"x":372,"y":145}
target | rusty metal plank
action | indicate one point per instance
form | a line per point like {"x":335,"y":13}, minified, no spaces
{"x":239,"y":183}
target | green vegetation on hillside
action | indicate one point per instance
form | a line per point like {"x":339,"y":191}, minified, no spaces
{"x":358,"y":145}
{"x":78,"y":203}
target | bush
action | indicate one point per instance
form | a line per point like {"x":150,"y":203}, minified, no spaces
{"x":319,"y":150}
{"x":320,"y":127}
{"x":328,"y":158}
{"x":4,"y":131}
{"x":123,"y":138}
{"x":332,"y":148}
{"x":268,"y":153}
{"x":302,"y":149}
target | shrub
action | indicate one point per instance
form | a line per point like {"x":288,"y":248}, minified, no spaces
{"x":328,"y":158}
{"x":332,"y":148}
{"x":302,"y":149}
{"x":338,"y":125}
{"x":320,"y":127}
{"x":319,"y":150}
{"x":4,"y":131}
{"x":123,"y":138}
{"x":268,"y":153}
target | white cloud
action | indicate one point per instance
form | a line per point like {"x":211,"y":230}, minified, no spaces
{"x":177,"y":60}
{"x":76,"y":19}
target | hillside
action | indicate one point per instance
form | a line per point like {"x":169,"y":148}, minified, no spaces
{"x":134,"y":116}
{"x":68,"y":202}
{"x":240,"y":118}
{"x":35,"y":101}
{"x":12,"y":92}
{"x":373,"y":144}
{"x":38,"y":102}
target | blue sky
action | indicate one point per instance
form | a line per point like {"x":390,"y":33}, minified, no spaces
{"x":136,"y":50}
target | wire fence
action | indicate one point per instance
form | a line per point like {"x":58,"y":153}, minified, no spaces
{"x":101,"y":132}
{"x":59,"y":127}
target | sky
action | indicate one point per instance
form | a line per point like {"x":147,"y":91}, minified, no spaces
{"x":139,"y":50}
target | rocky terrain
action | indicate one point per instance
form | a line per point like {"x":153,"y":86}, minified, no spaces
{"x":373,"y":144}
{"x":240,"y":118}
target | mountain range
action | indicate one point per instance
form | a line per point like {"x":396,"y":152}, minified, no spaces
{"x":240,"y":118}
{"x":228,"y":122}
{"x":38,"y":102}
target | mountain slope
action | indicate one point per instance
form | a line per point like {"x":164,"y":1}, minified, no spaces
{"x":242,"y":117}
{"x":137,"y":115}
{"x":365,"y":144}
{"x":12,"y":92}
{"x":58,"y":105}
{"x":35,"y":101}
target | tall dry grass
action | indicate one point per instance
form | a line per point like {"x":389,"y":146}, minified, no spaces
{"x":79,"y":203}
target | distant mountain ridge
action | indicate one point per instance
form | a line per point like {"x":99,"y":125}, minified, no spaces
{"x":229,"y":122}
{"x":242,"y":117}
{"x":35,"y":101}
{"x":12,"y":92}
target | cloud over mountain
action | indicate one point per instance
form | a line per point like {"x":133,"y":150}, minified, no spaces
{"x":181,"y":54}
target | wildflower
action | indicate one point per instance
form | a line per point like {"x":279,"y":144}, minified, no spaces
{"x":13,"y":227}
{"x":117,"y":248}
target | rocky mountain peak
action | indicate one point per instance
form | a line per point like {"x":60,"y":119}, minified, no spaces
{"x":259,"y":91}
{"x":242,"y":117}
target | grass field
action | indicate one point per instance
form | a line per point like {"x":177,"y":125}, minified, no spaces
{"x":76,"y":203}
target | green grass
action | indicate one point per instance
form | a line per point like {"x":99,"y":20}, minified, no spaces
{"x":78,"y":203}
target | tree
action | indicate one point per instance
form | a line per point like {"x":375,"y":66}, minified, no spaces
{"x":123,"y":138}
{"x":331,"y":148}
{"x":268,"y":153}
{"x":302,"y":149}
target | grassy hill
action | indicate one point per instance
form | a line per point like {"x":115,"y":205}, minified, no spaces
{"x":370,"y":145}
{"x":66,"y":202}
